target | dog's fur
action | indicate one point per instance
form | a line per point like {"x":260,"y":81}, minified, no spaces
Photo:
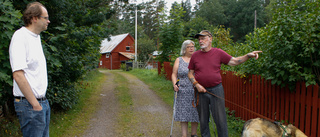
{"x":259,"y":127}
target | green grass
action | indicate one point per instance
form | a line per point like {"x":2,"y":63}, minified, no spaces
{"x":9,"y":127}
{"x":126,"y":118}
{"x":159,"y":84}
{"x":163,"y":88}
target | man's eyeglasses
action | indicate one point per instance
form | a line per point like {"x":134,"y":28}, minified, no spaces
{"x":47,"y":18}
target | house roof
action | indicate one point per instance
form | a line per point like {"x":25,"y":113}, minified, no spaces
{"x":128,"y":55}
{"x":107,"y":46}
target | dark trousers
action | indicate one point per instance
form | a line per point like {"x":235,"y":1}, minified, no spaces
{"x":209,"y":102}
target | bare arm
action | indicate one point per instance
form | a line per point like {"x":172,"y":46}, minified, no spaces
{"x":239,"y":60}
{"x":25,"y":88}
{"x":174,"y":75}
{"x":199,"y":87}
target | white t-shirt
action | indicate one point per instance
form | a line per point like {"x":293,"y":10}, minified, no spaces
{"x":26,"y":54}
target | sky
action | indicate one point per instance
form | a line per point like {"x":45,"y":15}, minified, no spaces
{"x":168,"y":2}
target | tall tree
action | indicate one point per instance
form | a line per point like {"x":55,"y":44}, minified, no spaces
{"x":241,"y":16}
{"x":145,"y":47}
{"x":151,"y":15}
{"x":171,"y":34}
{"x":194,"y":26}
{"x":188,"y":10}
{"x":213,"y":12}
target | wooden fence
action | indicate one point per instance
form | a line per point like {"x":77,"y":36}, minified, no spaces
{"x":167,"y":68}
{"x":255,"y":97}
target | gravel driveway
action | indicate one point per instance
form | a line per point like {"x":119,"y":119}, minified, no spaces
{"x":153,"y":116}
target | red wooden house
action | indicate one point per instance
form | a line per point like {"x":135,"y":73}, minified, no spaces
{"x":118,"y":49}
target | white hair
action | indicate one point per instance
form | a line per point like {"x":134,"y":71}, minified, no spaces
{"x":184,"y":46}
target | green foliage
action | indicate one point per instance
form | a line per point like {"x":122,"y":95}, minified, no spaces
{"x":238,"y":15}
{"x":72,"y":47}
{"x":241,"y":17}
{"x":195,"y":25}
{"x":213,"y":12}
{"x":188,"y":10}
{"x":171,"y":34}
{"x":9,"y":19}
{"x":270,"y":10}
{"x":150,"y":22}
{"x":235,"y":124}
{"x":290,"y":45}
{"x":145,"y":47}
{"x":70,"y":55}
{"x":123,"y":67}
{"x":221,"y":38}
{"x":9,"y":128}
{"x":293,"y":44}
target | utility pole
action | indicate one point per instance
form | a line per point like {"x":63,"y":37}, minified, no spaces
{"x":136,"y":37}
{"x":255,"y":19}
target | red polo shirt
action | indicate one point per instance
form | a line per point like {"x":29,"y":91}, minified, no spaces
{"x":206,"y":66}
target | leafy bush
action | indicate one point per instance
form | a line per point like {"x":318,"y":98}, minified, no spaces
{"x":123,"y":66}
{"x":129,"y":68}
{"x":72,"y":46}
{"x":9,"y":20}
{"x":235,"y":124}
{"x":70,"y":55}
{"x":290,"y":44}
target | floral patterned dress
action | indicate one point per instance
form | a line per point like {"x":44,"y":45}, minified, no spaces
{"x":185,"y":112}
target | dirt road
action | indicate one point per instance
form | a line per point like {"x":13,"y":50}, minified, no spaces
{"x":153,"y":117}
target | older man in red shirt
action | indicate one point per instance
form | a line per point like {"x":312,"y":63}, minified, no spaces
{"x":204,"y":73}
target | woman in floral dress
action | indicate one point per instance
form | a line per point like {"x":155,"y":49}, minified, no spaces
{"x":185,"y":112}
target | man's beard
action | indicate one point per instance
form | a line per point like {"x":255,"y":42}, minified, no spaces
{"x":203,"y":46}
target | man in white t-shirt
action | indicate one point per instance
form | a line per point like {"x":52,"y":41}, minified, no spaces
{"x":29,"y":69}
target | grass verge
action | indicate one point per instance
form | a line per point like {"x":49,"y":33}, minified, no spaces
{"x":159,"y":84}
{"x":9,"y":127}
{"x":163,"y":88}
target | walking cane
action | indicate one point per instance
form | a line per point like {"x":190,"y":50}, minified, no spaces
{"x":174,"y":107}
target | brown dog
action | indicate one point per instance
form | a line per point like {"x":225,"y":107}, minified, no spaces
{"x":259,"y":127}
